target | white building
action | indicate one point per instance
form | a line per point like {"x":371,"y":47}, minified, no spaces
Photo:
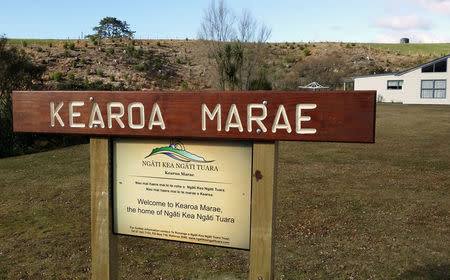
{"x":423,"y":84}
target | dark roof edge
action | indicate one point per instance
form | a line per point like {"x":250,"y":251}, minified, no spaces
{"x":405,"y":71}
{"x":423,"y":65}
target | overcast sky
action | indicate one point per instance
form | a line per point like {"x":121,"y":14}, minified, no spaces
{"x":423,"y":21}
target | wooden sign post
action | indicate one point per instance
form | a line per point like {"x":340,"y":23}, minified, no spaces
{"x":263,"y":118}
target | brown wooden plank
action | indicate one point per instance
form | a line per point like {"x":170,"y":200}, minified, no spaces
{"x":103,"y":241}
{"x":263,"y":210}
{"x":345,"y":116}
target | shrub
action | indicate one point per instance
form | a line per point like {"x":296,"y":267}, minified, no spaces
{"x":50,"y":45}
{"x":262,"y":83}
{"x":100,"y":72}
{"x":70,"y":77}
{"x":66,"y":53}
{"x":130,"y":49}
{"x":307,"y":52}
{"x":72,"y":46}
{"x":112,"y":78}
{"x":110,"y":51}
{"x":178,"y":61}
{"x":85,"y":44}
{"x":158,"y":44}
{"x":184,"y":85}
{"x":66,"y":45}
{"x":56,"y":76}
{"x":24,"y":44}
{"x":288,"y":59}
{"x":138,"y":53}
{"x":39,"y":49}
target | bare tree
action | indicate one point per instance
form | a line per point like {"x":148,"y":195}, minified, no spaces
{"x":234,"y":43}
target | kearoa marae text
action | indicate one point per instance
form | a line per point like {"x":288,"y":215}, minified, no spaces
{"x":141,"y":117}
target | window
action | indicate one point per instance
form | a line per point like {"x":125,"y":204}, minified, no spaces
{"x":433,"y":89}
{"x":394,"y":84}
{"x":440,"y":66}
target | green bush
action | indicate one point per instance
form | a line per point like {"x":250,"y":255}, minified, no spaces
{"x":39,"y":49}
{"x":184,"y":85}
{"x":307,"y":52}
{"x":72,"y":46}
{"x":66,"y":53}
{"x":138,"y":53}
{"x":66,"y":45}
{"x":260,"y":84}
{"x":50,"y":45}
{"x":70,"y":76}
{"x":56,"y":76}
{"x":112,"y":78}
{"x":158,"y":44}
{"x":100,"y":72}
{"x":139,"y":67}
{"x":24,"y":44}
{"x":130,"y":49}
{"x":289,"y":59}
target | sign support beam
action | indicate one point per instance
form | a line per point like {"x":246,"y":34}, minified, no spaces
{"x":103,"y":241}
{"x":263,"y":210}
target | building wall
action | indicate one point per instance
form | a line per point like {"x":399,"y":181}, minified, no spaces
{"x":379,"y":83}
{"x":412,"y":87}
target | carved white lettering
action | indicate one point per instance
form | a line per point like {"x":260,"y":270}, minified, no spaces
{"x":141,"y":123}
{"x":73,"y":114}
{"x":54,"y":113}
{"x":115,"y":116}
{"x":211,"y":116}
{"x":257,"y":119}
{"x":156,"y":113}
{"x":95,"y":112}
{"x":233,"y":113}
{"x":299,"y":119}
{"x":281,"y":112}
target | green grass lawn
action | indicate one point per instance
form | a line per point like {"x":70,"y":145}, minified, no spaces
{"x":344,"y":211}
{"x":413,"y":49}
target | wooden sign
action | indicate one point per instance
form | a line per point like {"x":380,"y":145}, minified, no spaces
{"x":344,"y":116}
{"x":264,"y":117}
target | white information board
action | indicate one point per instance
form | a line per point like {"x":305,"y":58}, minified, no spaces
{"x":191,"y":191}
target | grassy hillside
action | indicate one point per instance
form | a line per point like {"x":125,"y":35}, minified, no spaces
{"x":414,"y":49}
{"x":344,"y":211}
{"x":184,"y":64}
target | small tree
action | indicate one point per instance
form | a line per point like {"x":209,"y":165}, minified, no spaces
{"x":111,"y":27}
